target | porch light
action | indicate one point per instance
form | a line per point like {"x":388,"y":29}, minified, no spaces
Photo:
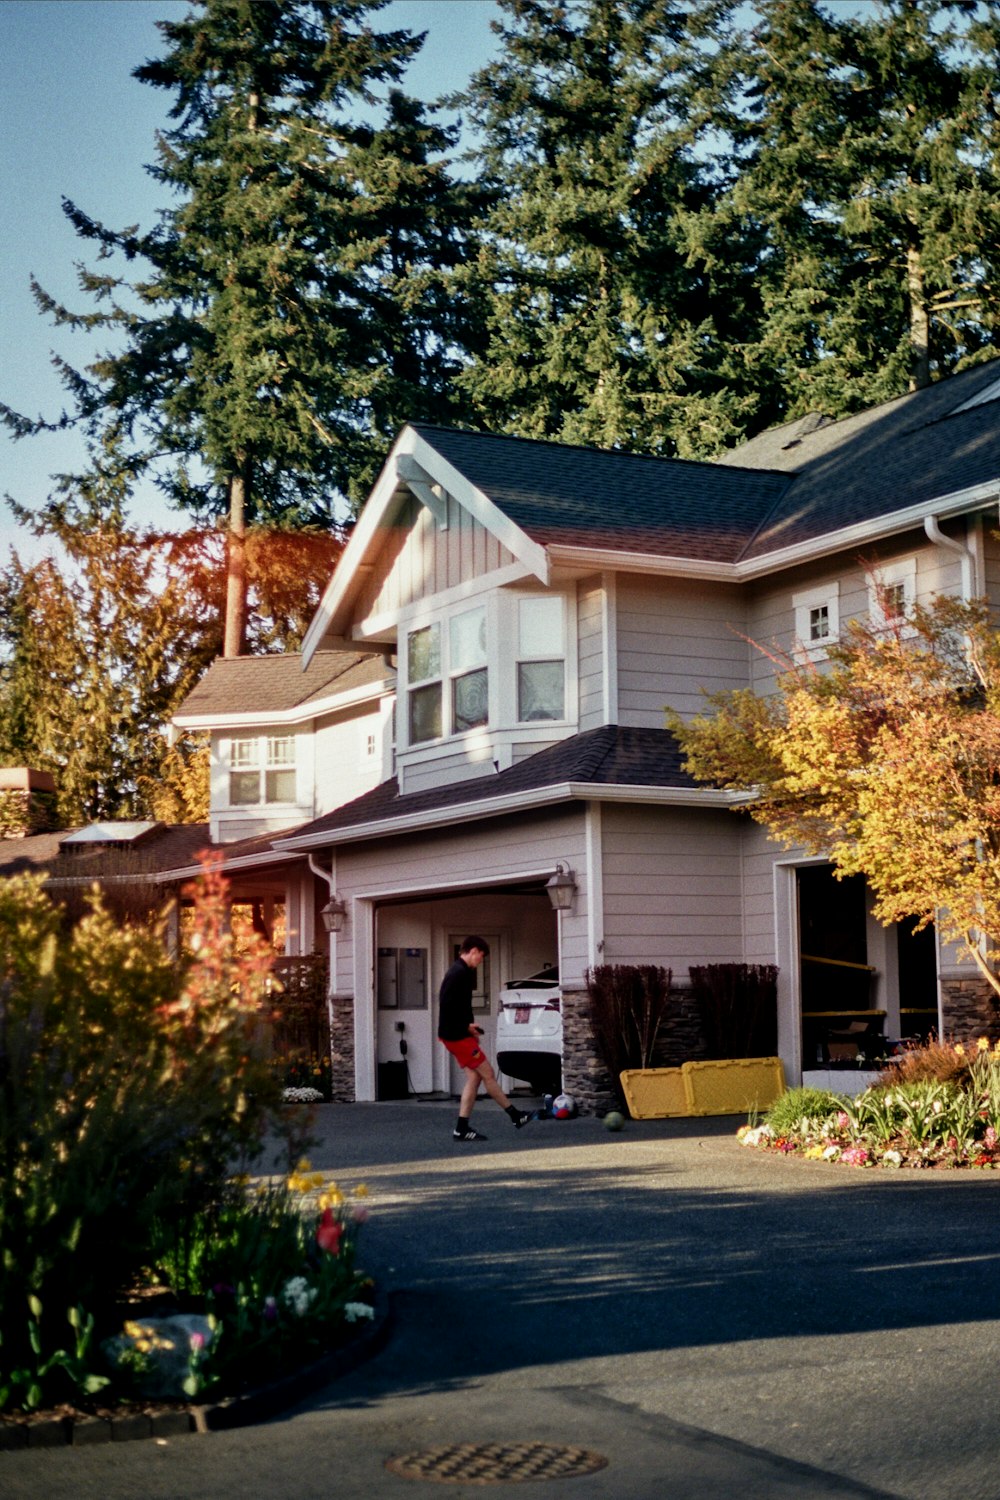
{"x":561,"y":888}
{"x":334,"y":913}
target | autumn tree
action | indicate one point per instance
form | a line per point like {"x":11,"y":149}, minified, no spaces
{"x":886,"y":759}
{"x":261,"y":364}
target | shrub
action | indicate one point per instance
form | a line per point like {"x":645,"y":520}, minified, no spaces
{"x":628,"y":1004}
{"x":798,"y":1105}
{"x":128,"y":1086}
{"x":738,"y":1005}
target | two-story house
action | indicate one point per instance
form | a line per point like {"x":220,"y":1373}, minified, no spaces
{"x":476,"y":718}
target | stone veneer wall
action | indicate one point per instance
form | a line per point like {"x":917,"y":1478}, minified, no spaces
{"x":969,"y":1010}
{"x":24,"y":812}
{"x":342,"y":1049}
{"x":584,"y":1075}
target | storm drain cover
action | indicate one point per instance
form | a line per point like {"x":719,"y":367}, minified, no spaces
{"x":496,"y":1463}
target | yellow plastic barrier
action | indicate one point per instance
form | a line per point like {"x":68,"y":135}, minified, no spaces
{"x":654,"y":1093}
{"x":733,"y":1087}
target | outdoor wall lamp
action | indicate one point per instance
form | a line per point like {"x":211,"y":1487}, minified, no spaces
{"x":334,"y":914}
{"x":561,"y":888}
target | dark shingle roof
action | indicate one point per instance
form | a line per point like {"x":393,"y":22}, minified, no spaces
{"x":587,"y":497}
{"x":609,"y":756}
{"x":787,"y":486}
{"x":274,"y":684}
{"x":170,"y":846}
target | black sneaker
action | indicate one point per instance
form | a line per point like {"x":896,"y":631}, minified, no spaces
{"x":521,"y":1118}
{"x":467,"y":1135}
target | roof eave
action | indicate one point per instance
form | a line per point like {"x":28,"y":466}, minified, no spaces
{"x":300,"y":713}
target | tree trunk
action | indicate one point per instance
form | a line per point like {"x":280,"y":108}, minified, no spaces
{"x":235,"y":629}
{"x":920,"y":332}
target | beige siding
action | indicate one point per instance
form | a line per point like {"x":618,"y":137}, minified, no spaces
{"x":418,"y":559}
{"x":420,"y":770}
{"x":591,"y":647}
{"x":343,"y":768}
{"x":675,"y":639}
{"x":672,"y":887}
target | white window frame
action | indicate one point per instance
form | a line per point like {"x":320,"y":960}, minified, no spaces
{"x":891,"y":575}
{"x":260,"y":760}
{"x":826,"y":596}
{"x":448,"y":674}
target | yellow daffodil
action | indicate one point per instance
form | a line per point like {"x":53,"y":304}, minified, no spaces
{"x":983,"y":1045}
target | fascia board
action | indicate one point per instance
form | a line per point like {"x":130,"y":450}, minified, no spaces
{"x":301,"y":713}
{"x":489,"y":807}
{"x":411,"y":444}
{"x":617,"y":559}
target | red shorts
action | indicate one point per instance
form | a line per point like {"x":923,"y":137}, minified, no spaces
{"x":466,"y":1051}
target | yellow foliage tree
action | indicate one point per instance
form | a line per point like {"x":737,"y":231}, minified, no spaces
{"x":886,"y":758}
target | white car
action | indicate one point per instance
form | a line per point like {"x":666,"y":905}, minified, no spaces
{"x":530,"y":1031}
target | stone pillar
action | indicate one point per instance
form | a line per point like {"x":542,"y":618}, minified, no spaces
{"x":342,"y":1048}
{"x":969,"y":1010}
{"x":583,"y":1074}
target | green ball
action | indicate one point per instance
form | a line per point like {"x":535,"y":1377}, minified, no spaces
{"x":614,"y":1121}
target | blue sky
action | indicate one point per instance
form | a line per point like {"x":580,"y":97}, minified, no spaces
{"x":75,"y":124}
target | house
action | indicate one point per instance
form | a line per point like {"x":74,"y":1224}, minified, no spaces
{"x":477,"y":711}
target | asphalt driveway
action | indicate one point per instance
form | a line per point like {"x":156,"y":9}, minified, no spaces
{"x":711,"y":1321}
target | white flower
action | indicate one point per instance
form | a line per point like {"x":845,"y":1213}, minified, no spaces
{"x":353,"y":1311}
{"x":298,"y":1295}
{"x":301,"y":1096}
{"x":894,"y":1158}
{"x":831,"y":1152}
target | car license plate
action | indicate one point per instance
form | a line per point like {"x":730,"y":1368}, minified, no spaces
{"x":522,"y":1015}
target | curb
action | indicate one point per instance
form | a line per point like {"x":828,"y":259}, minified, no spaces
{"x":232,"y":1411}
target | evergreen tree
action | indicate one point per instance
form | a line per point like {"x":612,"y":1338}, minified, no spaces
{"x":604,"y":323}
{"x":257,"y":340}
{"x":869,"y":166}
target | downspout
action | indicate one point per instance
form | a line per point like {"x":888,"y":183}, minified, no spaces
{"x":964,"y":552}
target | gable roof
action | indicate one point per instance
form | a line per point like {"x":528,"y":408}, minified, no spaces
{"x":789,"y":494}
{"x":276,"y":688}
{"x":588,"y":764}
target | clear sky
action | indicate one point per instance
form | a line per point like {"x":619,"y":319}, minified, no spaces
{"x":75,"y":124}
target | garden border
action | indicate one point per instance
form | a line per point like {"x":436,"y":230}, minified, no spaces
{"x":243,"y":1410}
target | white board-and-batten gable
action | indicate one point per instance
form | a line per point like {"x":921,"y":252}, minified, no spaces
{"x":425,"y":532}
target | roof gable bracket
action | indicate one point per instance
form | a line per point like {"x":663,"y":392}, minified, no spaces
{"x":419,"y":483}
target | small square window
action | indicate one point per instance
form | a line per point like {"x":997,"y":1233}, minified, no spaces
{"x":819,"y":623}
{"x":470,"y":700}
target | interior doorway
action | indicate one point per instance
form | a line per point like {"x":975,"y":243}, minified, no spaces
{"x":840,"y":1021}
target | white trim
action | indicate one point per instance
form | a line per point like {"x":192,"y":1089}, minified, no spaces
{"x":388,"y":622}
{"x":488,"y":807}
{"x":594,"y":856}
{"x":190,"y":872}
{"x":609,"y":630}
{"x":826,"y":595}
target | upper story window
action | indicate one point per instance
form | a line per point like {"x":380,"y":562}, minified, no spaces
{"x":892,"y":592}
{"x":261,"y":769}
{"x":541,"y":659}
{"x":817,"y":617}
{"x":453,"y":657}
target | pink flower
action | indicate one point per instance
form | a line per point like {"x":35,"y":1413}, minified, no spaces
{"x":329,"y":1232}
{"x":842,"y":1120}
{"x":197,"y":1342}
{"x":359,"y":1213}
{"x":270,"y":1309}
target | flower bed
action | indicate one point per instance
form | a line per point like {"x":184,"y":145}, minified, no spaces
{"x":938,"y":1106}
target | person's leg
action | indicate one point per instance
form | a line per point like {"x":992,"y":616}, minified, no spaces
{"x":489,"y":1080}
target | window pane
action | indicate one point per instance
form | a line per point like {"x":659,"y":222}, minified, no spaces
{"x":540,"y":690}
{"x":280,"y":786}
{"x":470,"y":700}
{"x":244,"y":753}
{"x":819,"y":623}
{"x":281,"y":750}
{"x":425,"y":714}
{"x":468,"y":639}
{"x":540,"y":625}
{"x":244,"y":788}
{"x":424,"y":654}
{"x":894,"y":601}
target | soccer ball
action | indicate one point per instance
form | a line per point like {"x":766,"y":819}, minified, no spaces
{"x":564,"y":1106}
{"x":614,"y":1121}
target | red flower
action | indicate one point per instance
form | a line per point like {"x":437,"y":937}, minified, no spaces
{"x":329,"y":1232}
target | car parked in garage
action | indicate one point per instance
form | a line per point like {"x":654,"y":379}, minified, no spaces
{"x":530,"y":1031}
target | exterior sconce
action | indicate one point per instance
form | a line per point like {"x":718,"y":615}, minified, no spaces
{"x":561,"y":888}
{"x":334,"y":913}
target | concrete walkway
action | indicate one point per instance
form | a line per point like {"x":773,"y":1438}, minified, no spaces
{"x":712,"y":1321}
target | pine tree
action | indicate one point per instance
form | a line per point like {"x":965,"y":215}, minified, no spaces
{"x":870,"y":170}
{"x":599,"y":310}
{"x":253,"y":374}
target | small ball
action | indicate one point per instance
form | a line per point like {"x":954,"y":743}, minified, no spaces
{"x":614,"y":1121}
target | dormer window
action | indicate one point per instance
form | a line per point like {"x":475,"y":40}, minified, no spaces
{"x":453,"y":653}
{"x":541,"y":659}
{"x":423,"y":671}
{"x":262,"y":769}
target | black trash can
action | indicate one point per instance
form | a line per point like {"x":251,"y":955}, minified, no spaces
{"x":392,"y":1080}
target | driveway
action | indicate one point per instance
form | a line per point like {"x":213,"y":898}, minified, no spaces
{"x":711,"y":1321}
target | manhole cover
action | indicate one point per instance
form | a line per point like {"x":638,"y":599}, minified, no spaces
{"x":496,"y":1463}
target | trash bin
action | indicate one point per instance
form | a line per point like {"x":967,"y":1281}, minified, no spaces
{"x":392,"y":1080}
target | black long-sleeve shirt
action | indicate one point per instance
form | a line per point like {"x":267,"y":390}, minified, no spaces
{"x":455,"y":1001}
